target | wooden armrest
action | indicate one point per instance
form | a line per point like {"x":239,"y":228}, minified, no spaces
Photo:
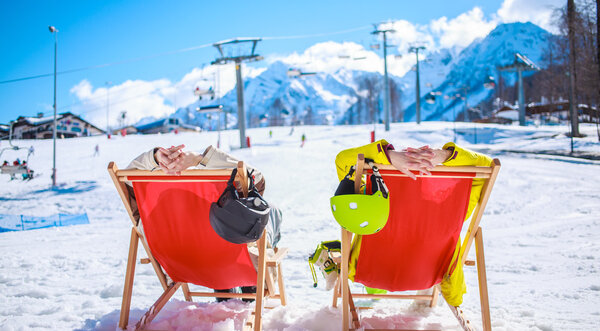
{"x":280,"y":253}
{"x":470,"y":262}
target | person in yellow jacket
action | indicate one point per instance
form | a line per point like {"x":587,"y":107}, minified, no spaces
{"x":421,"y":159}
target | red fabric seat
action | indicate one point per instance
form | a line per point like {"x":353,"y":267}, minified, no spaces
{"x":414,"y":249}
{"x":175,"y":217}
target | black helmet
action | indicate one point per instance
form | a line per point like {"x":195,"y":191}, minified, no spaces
{"x":239,"y":220}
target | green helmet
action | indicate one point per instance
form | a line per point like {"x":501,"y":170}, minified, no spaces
{"x":360,"y":213}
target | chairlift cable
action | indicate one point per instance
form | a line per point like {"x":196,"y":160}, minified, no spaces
{"x":108,"y":64}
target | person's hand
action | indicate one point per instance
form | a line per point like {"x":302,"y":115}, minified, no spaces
{"x":441,"y":155}
{"x":413,"y":159}
{"x":173,"y":160}
{"x":165,"y":156}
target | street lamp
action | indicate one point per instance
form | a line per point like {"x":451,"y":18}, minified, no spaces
{"x":415,"y":49}
{"x":108,"y":84}
{"x":55,"y":32}
{"x":386,"y":98}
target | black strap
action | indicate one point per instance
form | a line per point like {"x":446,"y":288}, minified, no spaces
{"x":350,"y":173}
{"x":232,"y":177}
{"x":377,"y":183}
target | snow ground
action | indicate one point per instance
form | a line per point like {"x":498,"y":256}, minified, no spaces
{"x":541,"y":233}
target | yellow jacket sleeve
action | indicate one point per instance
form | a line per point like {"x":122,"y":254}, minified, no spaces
{"x":464,"y":157}
{"x":347,"y":158}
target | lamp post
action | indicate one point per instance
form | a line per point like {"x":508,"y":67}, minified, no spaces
{"x":107,"y":107}
{"x":55,"y":32}
{"x":418,"y":104}
{"x":386,"y":100}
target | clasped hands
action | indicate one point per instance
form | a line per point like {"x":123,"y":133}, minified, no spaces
{"x":173,"y":160}
{"x":421,"y":159}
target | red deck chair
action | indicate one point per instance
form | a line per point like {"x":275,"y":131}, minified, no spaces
{"x":414,"y":250}
{"x":181,"y":244}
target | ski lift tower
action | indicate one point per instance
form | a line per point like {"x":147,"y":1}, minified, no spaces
{"x":521,"y":64}
{"x":236,"y":50}
{"x":380,"y":30}
{"x":416,"y":49}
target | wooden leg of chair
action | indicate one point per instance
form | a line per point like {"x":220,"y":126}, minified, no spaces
{"x":481,"y":275}
{"x":157,"y":306}
{"x":434,"y":296}
{"x":260,"y":282}
{"x":281,"y":285}
{"x":355,"y":321}
{"x":336,"y":292}
{"x":129,"y":274}
{"x":462,"y":320}
{"x":270,"y":282}
{"x":346,"y":238}
{"x":186,"y":292}
{"x":159,"y":272}
{"x":249,"y":325}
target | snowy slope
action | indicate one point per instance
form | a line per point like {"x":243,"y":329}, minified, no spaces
{"x":541,"y":233}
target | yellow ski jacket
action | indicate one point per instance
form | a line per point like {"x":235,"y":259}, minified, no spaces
{"x":453,"y":286}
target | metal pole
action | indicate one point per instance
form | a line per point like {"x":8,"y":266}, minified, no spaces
{"x":10,"y":133}
{"x":240,"y":103}
{"x":386,"y":103}
{"x":107,"y":108}
{"x":54,"y":125}
{"x":571,"y":97}
{"x":521,"y":98}
{"x":454,"y":124}
{"x":418,"y":89}
{"x":219,"y":134}
{"x":466,"y":111}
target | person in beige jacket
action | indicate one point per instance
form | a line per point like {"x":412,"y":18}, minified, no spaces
{"x":173,"y":160}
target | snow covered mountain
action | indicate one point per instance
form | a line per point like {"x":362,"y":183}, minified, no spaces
{"x":351,"y":94}
{"x":468,"y":72}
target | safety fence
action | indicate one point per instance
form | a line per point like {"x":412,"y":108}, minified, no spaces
{"x":24,"y":222}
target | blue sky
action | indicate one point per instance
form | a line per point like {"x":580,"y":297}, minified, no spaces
{"x":93,"y":33}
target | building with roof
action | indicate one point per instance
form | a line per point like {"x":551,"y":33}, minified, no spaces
{"x":68,"y":125}
{"x":166,"y":125}
{"x":4,"y":129}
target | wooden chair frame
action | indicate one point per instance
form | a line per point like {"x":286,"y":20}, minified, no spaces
{"x":474,"y":234}
{"x":265,"y":285}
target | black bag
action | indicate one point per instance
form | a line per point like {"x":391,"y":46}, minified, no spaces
{"x":237,"y":219}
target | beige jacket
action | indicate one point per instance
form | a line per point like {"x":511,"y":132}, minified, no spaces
{"x":212,"y":158}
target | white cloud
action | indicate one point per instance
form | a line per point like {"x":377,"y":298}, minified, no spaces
{"x":138,"y":98}
{"x":539,"y":12}
{"x":462,"y":30}
{"x":407,"y":34}
{"x":328,"y":57}
{"x":156,"y":98}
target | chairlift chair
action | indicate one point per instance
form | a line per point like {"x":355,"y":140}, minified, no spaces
{"x":489,"y":82}
{"x":430,"y":98}
{"x":16,"y":169}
